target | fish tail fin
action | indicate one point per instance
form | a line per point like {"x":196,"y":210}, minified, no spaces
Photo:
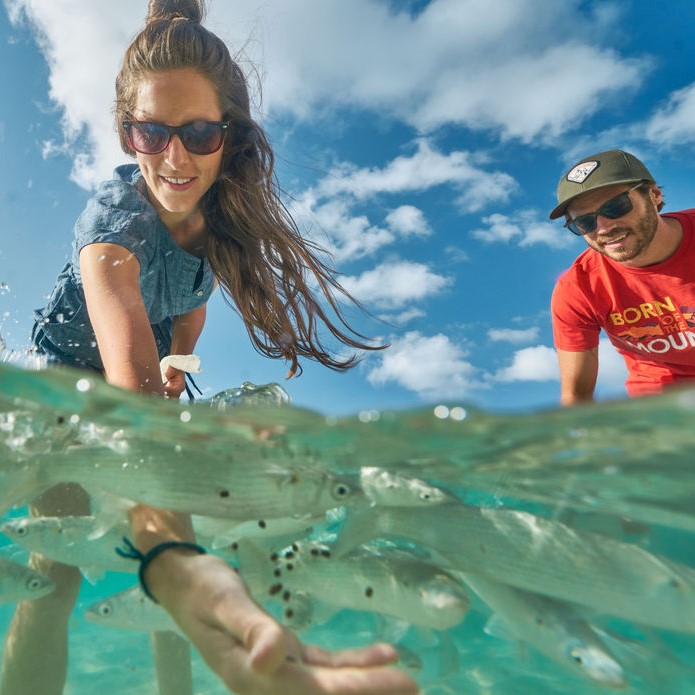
{"x":109,"y":511}
{"x":359,"y":526}
{"x":19,"y":488}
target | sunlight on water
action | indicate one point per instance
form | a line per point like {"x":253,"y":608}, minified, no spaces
{"x":547,"y":553}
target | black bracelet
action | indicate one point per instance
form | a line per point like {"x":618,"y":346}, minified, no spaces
{"x":132,"y":553}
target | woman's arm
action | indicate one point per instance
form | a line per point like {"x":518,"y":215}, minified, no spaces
{"x":240,"y":642}
{"x":185,"y":333}
{"x":250,"y":652}
{"x":110,"y":277}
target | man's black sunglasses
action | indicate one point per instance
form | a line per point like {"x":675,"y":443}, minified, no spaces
{"x":614,"y":208}
{"x":198,"y":137}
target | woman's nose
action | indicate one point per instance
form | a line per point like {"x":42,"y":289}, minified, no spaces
{"x":176,"y":153}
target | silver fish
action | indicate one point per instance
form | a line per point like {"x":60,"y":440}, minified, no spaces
{"x":20,"y":583}
{"x":61,"y":426}
{"x":220,"y":533}
{"x":251,"y":484}
{"x":131,"y":610}
{"x":555,"y":628}
{"x":387,"y":582}
{"x":395,"y":489}
{"x":542,"y":556}
{"x":72,"y":540}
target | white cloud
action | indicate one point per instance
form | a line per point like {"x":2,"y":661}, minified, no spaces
{"x":431,"y":366}
{"x":500,"y":229}
{"x":511,"y":335}
{"x":674,"y":123}
{"x":345,"y":235}
{"x":68,"y":31}
{"x":523,"y":71}
{"x":525,"y":229}
{"x":394,"y":284}
{"x":612,"y":371}
{"x":421,"y":171}
{"x":408,"y":220}
{"x":402,"y":318}
{"x":456,"y":254}
{"x":328,"y":210}
{"x":538,"y":363}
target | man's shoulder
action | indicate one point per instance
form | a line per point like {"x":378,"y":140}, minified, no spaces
{"x":685,"y":217}
{"x":586,"y":262}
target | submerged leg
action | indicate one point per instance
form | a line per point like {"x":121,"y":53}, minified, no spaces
{"x":172,"y":659}
{"x":35,"y":654}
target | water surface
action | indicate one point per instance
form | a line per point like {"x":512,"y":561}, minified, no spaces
{"x":618,"y":472}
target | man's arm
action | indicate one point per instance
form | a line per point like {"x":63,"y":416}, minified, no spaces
{"x":578,"y":372}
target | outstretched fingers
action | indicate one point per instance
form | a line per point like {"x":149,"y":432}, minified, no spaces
{"x":375,"y":655}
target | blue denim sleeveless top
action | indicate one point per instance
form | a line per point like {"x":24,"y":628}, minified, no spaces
{"x":172,"y":281}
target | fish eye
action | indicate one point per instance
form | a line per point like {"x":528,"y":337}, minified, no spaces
{"x":21,"y":530}
{"x":105,"y":610}
{"x":577,"y":657}
{"x":341,"y":491}
{"x":34,"y":583}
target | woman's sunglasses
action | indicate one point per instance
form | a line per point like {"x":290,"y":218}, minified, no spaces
{"x":614,"y":208}
{"x":198,"y":137}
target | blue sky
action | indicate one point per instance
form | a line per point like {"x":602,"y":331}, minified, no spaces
{"x":420,"y":142}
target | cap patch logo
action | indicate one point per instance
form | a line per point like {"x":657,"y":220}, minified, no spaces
{"x":582,"y":171}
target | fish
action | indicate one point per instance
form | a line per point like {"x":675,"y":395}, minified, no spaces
{"x":394,"y":488}
{"x":649,"y":658}
{"x":21,"y":583}
{"x":220,"y":533}
{"x":72,"y":540}
{"x":386,"y":581}
{"x":130,"y":609}
{"x":555,"y":628}
{"x":239,"y":486}
{"x":539,"y":555}
{"x":121,"y":443}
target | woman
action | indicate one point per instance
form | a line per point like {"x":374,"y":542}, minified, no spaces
{"x":199,"y":208}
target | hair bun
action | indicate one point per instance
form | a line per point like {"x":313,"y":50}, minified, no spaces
{"x":193,"y":10}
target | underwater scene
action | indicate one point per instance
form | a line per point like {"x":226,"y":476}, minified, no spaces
{"x":548,"y":553}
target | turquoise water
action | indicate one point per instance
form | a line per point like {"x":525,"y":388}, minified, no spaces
{"x":590,"y":510}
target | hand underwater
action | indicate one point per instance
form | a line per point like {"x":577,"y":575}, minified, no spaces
{"x":250,"y":652}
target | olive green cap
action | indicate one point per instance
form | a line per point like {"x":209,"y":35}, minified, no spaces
{"x":598,"y":170}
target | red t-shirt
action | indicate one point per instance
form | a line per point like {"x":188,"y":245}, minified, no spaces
{"x":647,"y":313}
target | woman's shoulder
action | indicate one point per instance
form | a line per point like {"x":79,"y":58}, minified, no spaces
{"x":123,"y":192}
{"x":118,"y":212}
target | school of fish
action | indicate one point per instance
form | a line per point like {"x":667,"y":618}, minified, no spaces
{"x":313,"y":535}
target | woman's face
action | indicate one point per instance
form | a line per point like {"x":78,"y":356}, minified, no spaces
{"x":176,"y":179}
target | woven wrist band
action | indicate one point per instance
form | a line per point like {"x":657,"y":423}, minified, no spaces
{"x":132,"y":553}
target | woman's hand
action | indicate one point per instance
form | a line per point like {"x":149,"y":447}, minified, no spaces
{"x":175,"y":383}
{"x":248,"y":649}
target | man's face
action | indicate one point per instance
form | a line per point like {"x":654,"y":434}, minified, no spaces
{"x":626,"y":238}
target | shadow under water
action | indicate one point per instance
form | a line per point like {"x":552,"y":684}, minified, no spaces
{"x":545,"y":553}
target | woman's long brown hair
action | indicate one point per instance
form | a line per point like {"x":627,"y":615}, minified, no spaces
{"x":261,"y":261}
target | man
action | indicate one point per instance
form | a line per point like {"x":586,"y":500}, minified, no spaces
{"x":636,"y":281}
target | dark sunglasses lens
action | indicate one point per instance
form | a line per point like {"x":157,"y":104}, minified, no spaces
{"x":148,"y":138}
{"x":613,"y":209}
{"x":584,"y":224}
{"x":617,"y":207}
{"x":201,"y":137}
